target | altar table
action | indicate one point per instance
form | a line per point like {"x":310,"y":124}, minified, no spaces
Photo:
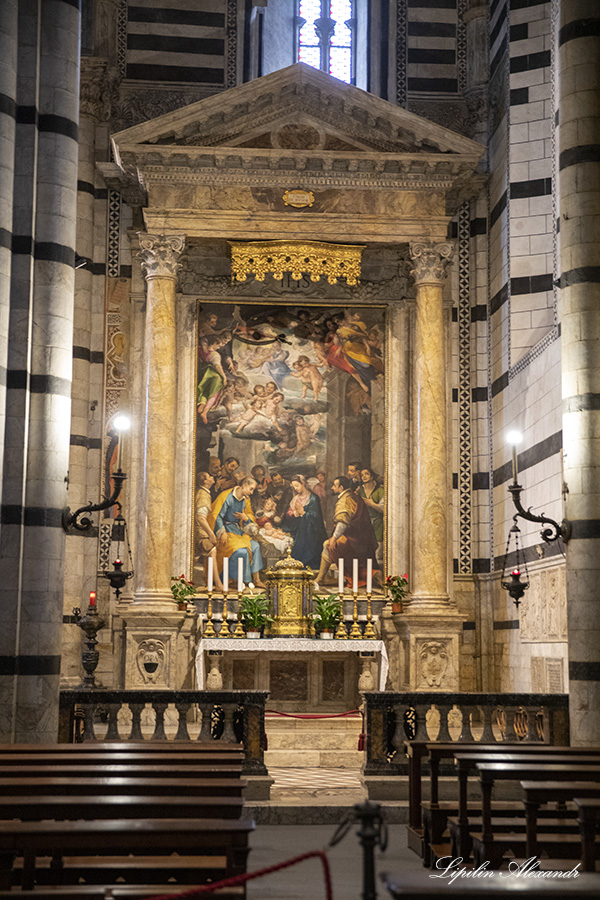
{"x":292,"y":649}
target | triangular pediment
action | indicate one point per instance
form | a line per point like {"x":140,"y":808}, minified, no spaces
{"x":298,"y":109}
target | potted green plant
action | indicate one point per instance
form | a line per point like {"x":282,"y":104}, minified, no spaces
{"x":254,"y":609}
{"x":397,"y":586}
{"x":182,"y":588}
{"x":326,"y":615}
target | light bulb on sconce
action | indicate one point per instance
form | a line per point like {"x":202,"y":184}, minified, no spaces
{"x":514,"y":438}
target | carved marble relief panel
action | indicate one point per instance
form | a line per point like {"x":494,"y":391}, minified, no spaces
{"x":544,"y":607}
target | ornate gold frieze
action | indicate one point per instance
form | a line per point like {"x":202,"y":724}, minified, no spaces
{"x":315,"y":258}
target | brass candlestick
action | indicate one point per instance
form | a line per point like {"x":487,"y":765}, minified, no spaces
{"x":209,"y":628}
{"x":239,"y":628}
{"x":224,"y":631}
{"x":355,"y":634}
{"x":369,"y":629}
{"x":341,"y":633}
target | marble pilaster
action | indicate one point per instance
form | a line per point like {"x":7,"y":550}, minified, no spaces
{"x":579,"y":164}
{"x":430,"y":457}
{"x":159,"y":256}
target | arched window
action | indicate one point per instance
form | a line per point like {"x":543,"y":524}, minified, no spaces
{"x":325,"y":36}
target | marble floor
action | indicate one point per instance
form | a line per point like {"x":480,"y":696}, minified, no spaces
{"x":275,"y":843}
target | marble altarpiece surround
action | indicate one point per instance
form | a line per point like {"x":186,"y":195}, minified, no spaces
{"x":394,"y":193}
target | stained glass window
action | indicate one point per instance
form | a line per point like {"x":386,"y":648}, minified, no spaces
{"x":325,"y":32}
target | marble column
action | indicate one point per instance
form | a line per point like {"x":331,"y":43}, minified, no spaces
{"x":35,"y":475}
{"x":159,"y":256}
{"x":579,"y":186}
{"x":430,"y":495}
{"x":8,"y":114}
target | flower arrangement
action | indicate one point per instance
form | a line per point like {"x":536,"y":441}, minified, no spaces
{"x":397,"y":586}
{"x":181,"y":589}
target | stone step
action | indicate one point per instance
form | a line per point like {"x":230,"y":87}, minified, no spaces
{"x":300,"y":759}
{"x":327,"y":812}
{"x":313,"y":740}
{"x":283,"y":723}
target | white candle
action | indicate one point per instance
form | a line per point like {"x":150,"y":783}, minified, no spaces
{"x":210,"y":573}
{"x":340,"y":576}
{"x":226,"y":574}
{"x":355,"y":576}
{"x":240,"y":575}
{"x":369,"y":575}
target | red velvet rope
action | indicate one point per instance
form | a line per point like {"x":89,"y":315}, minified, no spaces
{"x":275,"y":712}
{"x":242,"y":879}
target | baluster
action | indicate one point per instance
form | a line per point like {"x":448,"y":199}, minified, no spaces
{"x":531,"y":736}
{"x":444,"y":733}
{"x":228,"y":736}
{"x":182,"y":729}
{"x":159,"y":726}
{"x":487,"y":736}
{"x":205,"y":728}
{"x":88,"y":722}
{"x":136,"y":721}
{"x":399,"y":733}
{"x":466,"y":735}
{"x":510,"y":734}
{"x":421,"y":722}
{"x":112,"y":732}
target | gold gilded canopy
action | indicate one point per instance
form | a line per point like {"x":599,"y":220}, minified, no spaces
{"x":313,"y":257}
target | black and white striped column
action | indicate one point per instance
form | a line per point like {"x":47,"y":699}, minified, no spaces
{"x":32,"y":541}
{"x":8,"y":117}
{"x":579,"y":168}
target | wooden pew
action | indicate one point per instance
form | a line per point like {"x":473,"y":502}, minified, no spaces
{"x":175,"y":787}
{"x":466,"y":762}
{"x":134,"y":759}
{"x":428,"y":819}
{"x":106,"y":747}
{"x":118,"y":838}
{"x":589,"y":817}
{"x":110,"y":771}
{"x":418,"y":886}
{"x":113,"y":806}
{"x":485,"y":847}
{"x":115,"y":892}
{"x":539,"y":793}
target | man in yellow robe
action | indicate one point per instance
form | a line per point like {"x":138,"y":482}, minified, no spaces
{"x":230,"y":516}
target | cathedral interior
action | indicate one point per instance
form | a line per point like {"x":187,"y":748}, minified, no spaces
{"x":339,"y":265}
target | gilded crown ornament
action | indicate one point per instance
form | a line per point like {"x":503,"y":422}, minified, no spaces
{"x":259,"y":258}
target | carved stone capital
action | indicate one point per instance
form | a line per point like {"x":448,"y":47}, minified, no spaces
{"x":430,"y":261}
{"x":159,"y":254}
{"x":98,"y":88}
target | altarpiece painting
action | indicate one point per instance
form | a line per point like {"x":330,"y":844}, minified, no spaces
{"x":290,"y":411}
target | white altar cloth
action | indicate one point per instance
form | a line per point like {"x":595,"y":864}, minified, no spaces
{"x":291,"y":645}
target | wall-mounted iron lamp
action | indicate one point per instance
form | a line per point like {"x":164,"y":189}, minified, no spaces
{"x":120,"y":424}
{"x":116,"y":577}
{"x":554,"y":531}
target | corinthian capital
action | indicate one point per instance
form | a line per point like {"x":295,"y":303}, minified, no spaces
{"x":430,"y":261}
{"x":159,"y":254}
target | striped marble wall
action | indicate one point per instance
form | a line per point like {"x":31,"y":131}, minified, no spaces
{"x":177,"y":41}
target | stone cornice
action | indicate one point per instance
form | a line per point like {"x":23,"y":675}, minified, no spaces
{"x":377,"y":171}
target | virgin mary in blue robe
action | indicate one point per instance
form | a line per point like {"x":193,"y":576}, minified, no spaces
{"x":304,"y":521}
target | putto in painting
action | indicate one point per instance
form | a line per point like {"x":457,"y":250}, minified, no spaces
{"x":290,"y":438}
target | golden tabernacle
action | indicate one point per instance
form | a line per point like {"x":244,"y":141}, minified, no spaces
{"x":289,"y":589}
